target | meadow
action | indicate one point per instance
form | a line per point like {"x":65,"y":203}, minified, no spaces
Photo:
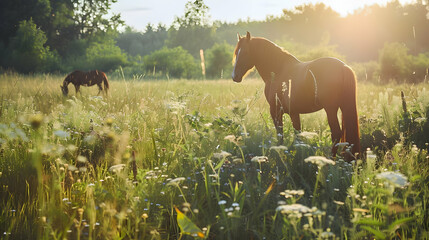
{"x":189,"y":159}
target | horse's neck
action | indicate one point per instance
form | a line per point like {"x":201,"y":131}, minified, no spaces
{"x":66,"y":82}
{"x":269,"y":58}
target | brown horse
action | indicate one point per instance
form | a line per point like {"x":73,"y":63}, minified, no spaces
{"x":296,"y":87}
{"x":79,"y":78}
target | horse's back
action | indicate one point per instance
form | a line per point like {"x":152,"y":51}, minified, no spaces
{"x":329,"y":74}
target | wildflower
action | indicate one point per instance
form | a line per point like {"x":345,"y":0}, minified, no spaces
{"x":116,"y":168}
{"x":222,"y":202}
{"x":80,"y":211}
{"x":230,"y":138}
{"x":145,"y":216}
{"x":81,"y":159}
{"x":109,"y":121}
{"x":396,"y":179}
{"x":176,"y":181}
{"x":221,"y":155}
{"x":319,"y":161}
{"x":36,"y":120}
{"x":279,"y":148}
{"x":175,"y":107}
{"x":291,"y":193}
{"x":62,"y":134}
{"x":259,"y":159}
{"x":286,"y":209}
{"x":420,"y":119}
{"x":327,"y":234}
{"x":302,"y":145}
{"x":307,"y":135}
{"x":237,"y":160}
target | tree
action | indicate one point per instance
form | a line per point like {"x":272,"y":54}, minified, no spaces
{"x":192,"y":31}
{"x":27,"y":50}
{"x":89,"y":18}
{"x":137,"y":43}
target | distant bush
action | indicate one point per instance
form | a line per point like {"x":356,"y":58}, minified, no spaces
{"x":218,"y":61}
{"x":394,"y":62}
{"x":105,"y":56}
{"x":420,"y":67}
{"x":397,"y":64}
{"x":367,"y":71}
{"x":174,"y":62}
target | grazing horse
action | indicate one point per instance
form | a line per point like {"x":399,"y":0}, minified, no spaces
{"x":79,"y":78}
{"x":296,"y":87}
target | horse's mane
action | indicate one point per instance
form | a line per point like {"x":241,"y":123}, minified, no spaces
{"x":269,"y":45}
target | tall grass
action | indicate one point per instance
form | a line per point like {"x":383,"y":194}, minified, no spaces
{"x":198,"y":159}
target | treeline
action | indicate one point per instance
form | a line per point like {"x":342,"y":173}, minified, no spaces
{"x":381,"y":42}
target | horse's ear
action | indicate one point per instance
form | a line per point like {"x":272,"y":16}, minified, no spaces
{"x":238,"y":37}
{"x":248,"y":35}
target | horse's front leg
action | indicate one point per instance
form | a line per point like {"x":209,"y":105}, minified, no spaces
{"x":276,"y":111}
{"x":100,"y":88}
{"x":76,"y":87}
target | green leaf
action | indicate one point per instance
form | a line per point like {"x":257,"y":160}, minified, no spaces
{"x":220,"y":164}
{"x":398,"y":222}
{"x":187,"y":226}
{"x":378,"y":234}
{"x":371,"y":222}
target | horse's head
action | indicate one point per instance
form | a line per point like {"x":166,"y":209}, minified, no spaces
{"x":242,"y":58}
{"x":64,"y":89}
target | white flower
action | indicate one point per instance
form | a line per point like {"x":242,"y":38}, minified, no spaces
{"x":301,"y":145}
{"x":307,"y":135}
{"x":176,"y":181}
{"x":116,"y":168}
{"x":291,"y":193}
{"x":230,"y":138}
{"x":279,"y":148}
{"x":222,"y":202}
{"x":327,"y":235}
{"x":175,"y":107}
{"x":221,"y":155}
{"x":259,"y":159}
{"x":62,"y":134}
{"x":293,"y":208}
{"x":396,"y":179}
{"x":319,"y":161}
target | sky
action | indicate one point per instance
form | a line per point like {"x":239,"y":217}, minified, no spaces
{"x":138,"y":13}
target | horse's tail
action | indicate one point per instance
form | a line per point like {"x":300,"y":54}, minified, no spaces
{"x":350,"y":121}
{"x":105,"y":81}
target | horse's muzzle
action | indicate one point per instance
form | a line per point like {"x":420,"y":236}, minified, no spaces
{"x":237,"y":79}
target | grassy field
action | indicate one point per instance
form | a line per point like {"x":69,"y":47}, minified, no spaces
{"x":198,"y":159}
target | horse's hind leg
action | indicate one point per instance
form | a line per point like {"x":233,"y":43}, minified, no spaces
{"x":336,"y":132}
{"x":296,"y":121}
{"x":277,"y":115}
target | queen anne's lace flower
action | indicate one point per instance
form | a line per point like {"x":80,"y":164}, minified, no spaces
{"x":395,"y":178}
{"x":319,"y":161}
